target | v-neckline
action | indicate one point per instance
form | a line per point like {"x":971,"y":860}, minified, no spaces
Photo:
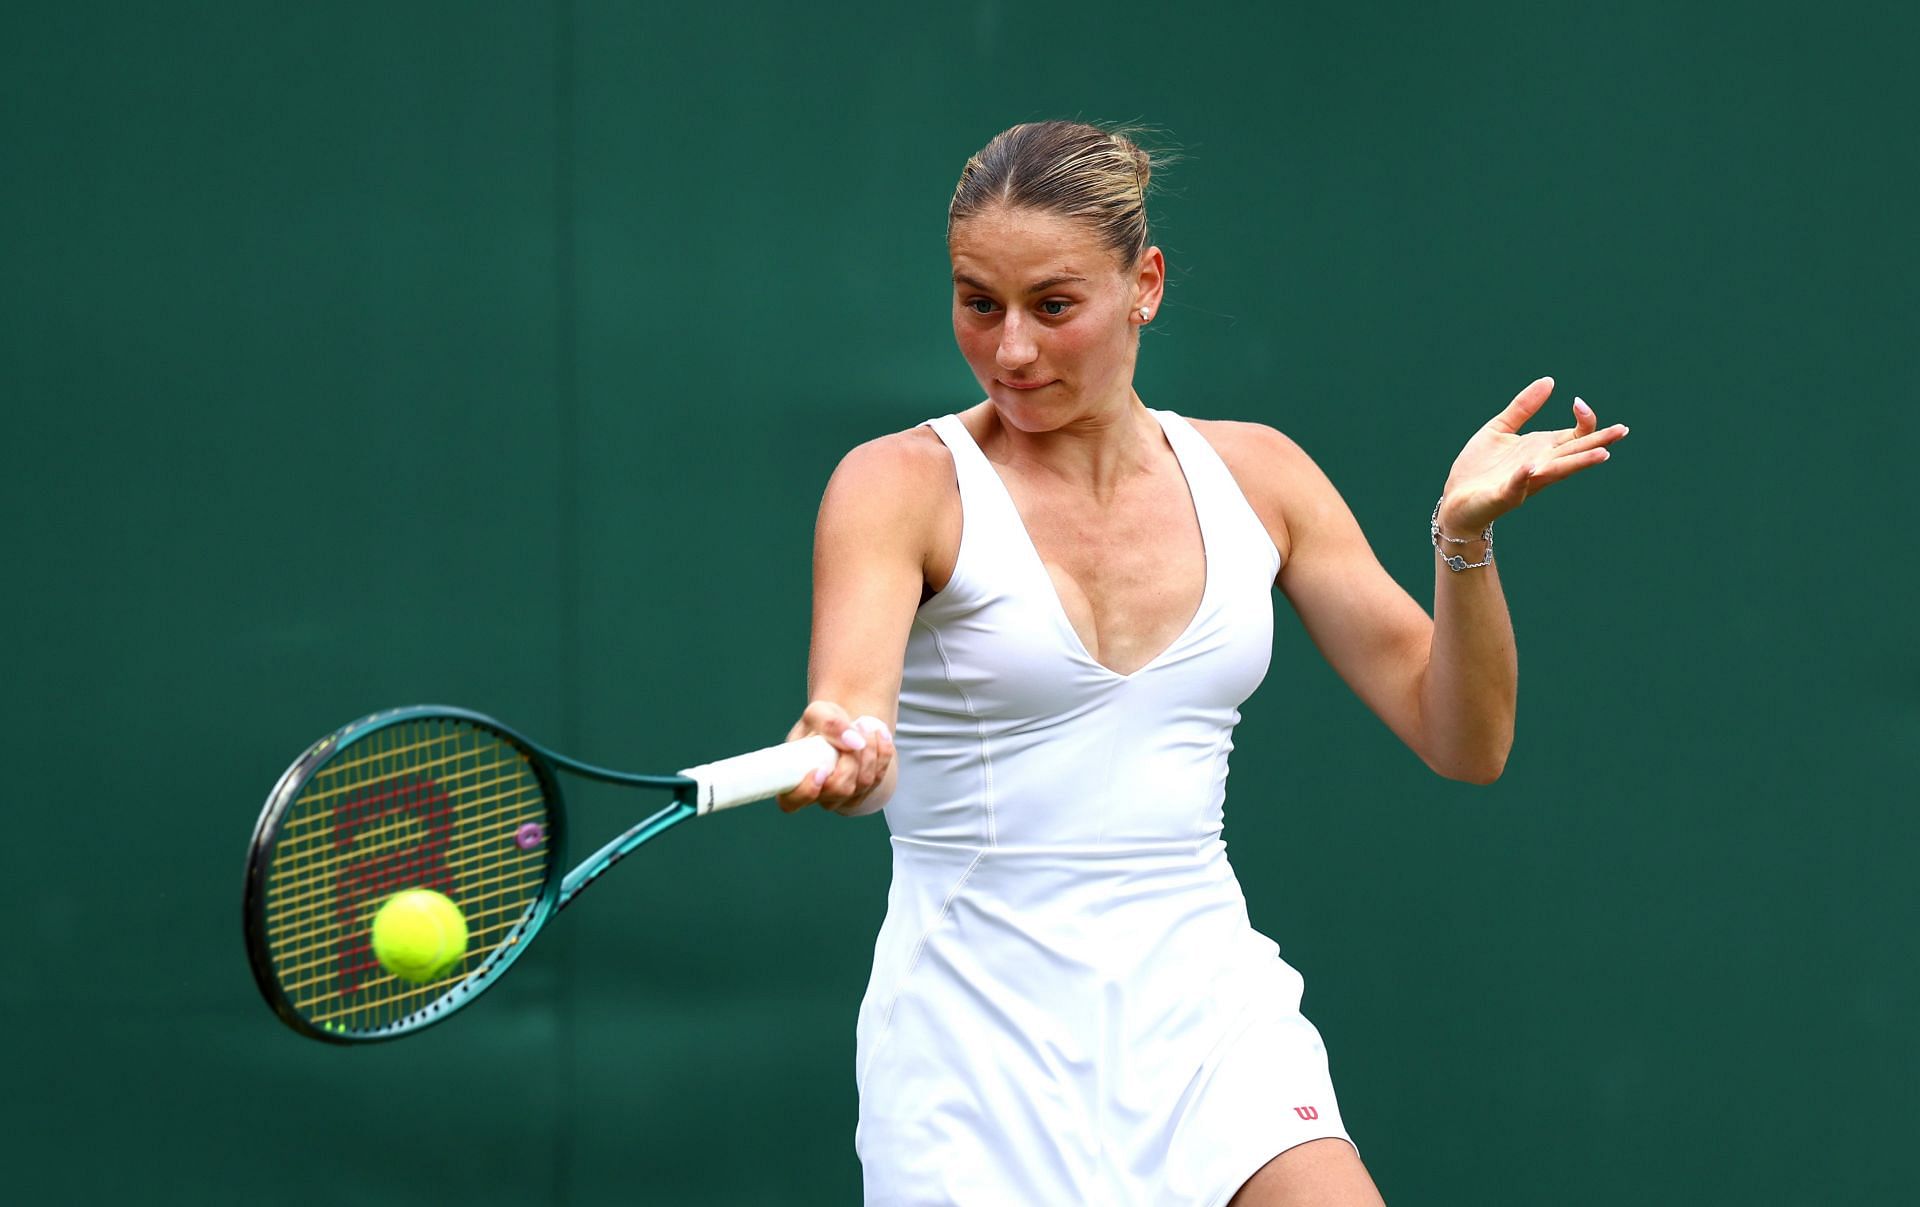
{"x":1061,"y":618}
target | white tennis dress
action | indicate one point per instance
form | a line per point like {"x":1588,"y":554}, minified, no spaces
{"x":1068,"y":1004}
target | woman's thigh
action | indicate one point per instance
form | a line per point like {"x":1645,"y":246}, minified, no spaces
{"x":1319,"y":1173}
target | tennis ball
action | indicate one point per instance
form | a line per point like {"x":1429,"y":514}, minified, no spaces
{"x":419,"y":935}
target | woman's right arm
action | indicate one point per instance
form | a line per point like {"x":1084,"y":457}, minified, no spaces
{"x":885,"y":512}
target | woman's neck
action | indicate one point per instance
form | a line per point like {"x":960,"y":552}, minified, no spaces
{"x":1094,"y":452}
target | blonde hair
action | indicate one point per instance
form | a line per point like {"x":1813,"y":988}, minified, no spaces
{"x":1076,"y":170}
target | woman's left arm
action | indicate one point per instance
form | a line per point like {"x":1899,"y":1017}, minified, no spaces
{"x":1468,"y":693}
{"x":1445,"y":684}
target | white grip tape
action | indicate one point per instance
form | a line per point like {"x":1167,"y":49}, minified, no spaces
{"x":746,"y":778}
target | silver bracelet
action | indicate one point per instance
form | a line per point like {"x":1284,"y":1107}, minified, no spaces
{"x":1454,"y":561}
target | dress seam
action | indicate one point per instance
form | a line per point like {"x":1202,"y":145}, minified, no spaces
{"x":920,"y":944}
{"x":979,"y":729}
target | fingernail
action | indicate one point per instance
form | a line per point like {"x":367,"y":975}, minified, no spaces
{"x":1580,"y":402}
{"x":854,"y":739}
{"x":1624,"y":429}
{"x":873,"y":725}
{"x":820,"y":776}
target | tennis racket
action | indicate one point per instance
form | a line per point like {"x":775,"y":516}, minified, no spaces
{"x":449,"y":800}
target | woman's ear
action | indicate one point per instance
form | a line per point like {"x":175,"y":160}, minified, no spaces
{"x":1149,"y":284}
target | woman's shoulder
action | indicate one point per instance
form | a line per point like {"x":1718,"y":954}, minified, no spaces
{"x":911,"y":462}
{"x":899,"y":489}
{"x":904,"y":479}
{"x":1256,"y":445}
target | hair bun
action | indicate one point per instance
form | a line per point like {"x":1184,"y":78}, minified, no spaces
{"x":1095,"y":174}
{"x":1142,"y":162}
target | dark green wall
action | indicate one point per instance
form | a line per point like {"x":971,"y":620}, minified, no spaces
{"x":356,"y":355}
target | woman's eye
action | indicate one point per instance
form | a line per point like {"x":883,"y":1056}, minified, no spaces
{"x":979,"y":305}
{"x":1054,"y":308}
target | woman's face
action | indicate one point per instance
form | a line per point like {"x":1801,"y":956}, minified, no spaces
{"x":1047,"y":316}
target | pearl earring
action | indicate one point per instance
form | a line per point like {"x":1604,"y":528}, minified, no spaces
{"x":1145,"y":313}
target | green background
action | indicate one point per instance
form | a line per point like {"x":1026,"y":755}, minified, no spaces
{"x":364,"y":354}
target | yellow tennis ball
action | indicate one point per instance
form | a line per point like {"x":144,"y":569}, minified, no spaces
{"x":419,"y":935}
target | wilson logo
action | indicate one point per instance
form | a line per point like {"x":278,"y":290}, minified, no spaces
{"x":1307,"y":1112}
{"x":406,"y":828}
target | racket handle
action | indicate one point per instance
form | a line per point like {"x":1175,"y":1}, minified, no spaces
{"x":745,"y":778}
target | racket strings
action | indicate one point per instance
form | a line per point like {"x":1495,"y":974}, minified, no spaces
{"x":291,"y":959}
{"x":509,"y":806}
{"x":480,"y":942}
{"x":478,"y":879}
{"x":431,"y":803}
{"x":419,"y":757}
{"x":478,"y":873}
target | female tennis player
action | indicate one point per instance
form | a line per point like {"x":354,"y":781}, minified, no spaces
{"x":1055,"y":601}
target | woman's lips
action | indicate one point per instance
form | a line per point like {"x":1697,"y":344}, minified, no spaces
{"x":1022,"y":385}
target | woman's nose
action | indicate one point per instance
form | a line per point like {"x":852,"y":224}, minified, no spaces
{"x":1016,"y":345}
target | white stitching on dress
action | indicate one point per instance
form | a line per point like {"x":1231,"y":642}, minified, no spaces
{"x":920,"y":944}
{"x":979,"y":728}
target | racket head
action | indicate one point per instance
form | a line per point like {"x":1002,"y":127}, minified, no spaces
{"x":421,"y":797}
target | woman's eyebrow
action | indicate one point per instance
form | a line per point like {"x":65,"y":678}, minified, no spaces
{"x":961,"y":278}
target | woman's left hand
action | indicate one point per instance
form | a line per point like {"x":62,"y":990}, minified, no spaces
{"x":1501,"y":467}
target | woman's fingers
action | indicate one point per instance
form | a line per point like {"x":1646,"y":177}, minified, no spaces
{"x":1524,"y":406}
{"x":859,"y":770}
{"x":857,"y":753}
{"x":878,"y":753}
{"x":828,"y":787}
{"x":1586,"y":427}
{"x":803,"y":794}
{"x":865,"y":747}
{"x":1583,"y":418}
{"x":879,"y":727}
{"x":1586,"y":444}
{"x":1584,"y":441}
{"x":831,"y":721}
{"x":825,"y":717}
{"x":1564,"y":464}
{"x":1500,"y":469}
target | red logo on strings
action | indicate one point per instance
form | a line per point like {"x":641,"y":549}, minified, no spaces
{"x":427,"y":811}
{"x":1307,"y":1112}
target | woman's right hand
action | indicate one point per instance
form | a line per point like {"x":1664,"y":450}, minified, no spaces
{"x":866,"y":756}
